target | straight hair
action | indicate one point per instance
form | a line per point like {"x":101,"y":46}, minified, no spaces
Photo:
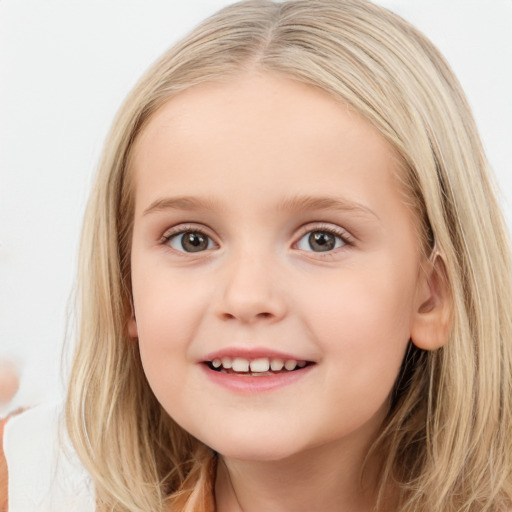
{"x":447,"y":439}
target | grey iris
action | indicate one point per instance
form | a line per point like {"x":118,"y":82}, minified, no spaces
{"x":321,"y":241}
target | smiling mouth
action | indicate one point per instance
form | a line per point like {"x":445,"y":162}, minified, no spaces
{"x":260,"y":367}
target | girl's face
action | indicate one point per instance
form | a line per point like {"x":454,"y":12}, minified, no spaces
{"x":270,"y":230}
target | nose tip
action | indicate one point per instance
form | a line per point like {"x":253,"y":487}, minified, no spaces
{"x":251,"y":308}
{"x":251,"y":295}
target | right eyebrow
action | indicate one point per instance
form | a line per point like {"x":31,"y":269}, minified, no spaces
{"x":187,"y":203}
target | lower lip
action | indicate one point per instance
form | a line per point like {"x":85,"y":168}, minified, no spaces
{"x":251,"y":384}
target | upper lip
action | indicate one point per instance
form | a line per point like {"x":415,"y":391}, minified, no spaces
{"x":252,"y":353}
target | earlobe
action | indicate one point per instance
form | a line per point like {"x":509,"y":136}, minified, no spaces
{"x":132,"y":328}
{"x":132,"y":323}
{"x":432,"y":318}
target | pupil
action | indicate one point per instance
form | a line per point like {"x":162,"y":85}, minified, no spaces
{"x":321,"y":241}
{"x":194,"y":242}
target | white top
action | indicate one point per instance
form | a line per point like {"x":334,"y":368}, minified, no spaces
{"x":45,"y":474}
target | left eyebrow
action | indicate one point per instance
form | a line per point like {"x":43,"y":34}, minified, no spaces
{"x":307,"y":202}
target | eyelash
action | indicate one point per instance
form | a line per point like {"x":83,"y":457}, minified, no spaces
{"x":344,"y":236}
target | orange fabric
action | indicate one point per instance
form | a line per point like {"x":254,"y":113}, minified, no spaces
{"x":3,"y":469}
{"x":3,"y":462}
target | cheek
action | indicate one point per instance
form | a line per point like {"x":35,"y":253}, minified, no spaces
{"x":361,"y":325}
{"x":168,"y":313}
{"x":363,"y":318}
{"x":166,"y":324}
{"x":167,"y":306}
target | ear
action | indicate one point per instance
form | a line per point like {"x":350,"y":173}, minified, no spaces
{"x":132,"y":323}
{"x":433,"y":306}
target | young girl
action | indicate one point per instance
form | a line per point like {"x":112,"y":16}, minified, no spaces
{"x":295,"y":281}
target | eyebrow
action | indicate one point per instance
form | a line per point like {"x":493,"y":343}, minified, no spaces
{"x":307,"y":202}
{"x":295,"y":203}
{"x":187,"y":203}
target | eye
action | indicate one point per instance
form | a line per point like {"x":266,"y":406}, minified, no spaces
{"x":320,"y":241}
{"x":190,"y":241}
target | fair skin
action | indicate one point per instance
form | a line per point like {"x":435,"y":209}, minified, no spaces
{"x":293,"y":243}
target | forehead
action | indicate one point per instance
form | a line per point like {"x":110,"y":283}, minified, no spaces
{"x":260,"y":131}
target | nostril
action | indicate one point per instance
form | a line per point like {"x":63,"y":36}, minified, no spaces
{"x":230,"y":316}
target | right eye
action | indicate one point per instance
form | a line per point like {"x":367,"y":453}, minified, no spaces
{"x":190,"y":241}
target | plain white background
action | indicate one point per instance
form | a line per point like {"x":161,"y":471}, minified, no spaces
{"x":66,"y":66}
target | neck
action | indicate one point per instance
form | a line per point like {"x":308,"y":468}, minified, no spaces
{"x":326,"y":478}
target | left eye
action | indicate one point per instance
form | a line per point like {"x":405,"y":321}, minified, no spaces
{"x":320,"y":241}
{"x":191,"y":241}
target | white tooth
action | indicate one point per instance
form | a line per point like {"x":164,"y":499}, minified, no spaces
{"x":260,"y":365}
{"x":276,"y":365}
{"x":216,"y":363}
{"x":226,"y":363}
{"x":240,"y":364}
{"x":301,"y":364}
{"x":290,"y":365}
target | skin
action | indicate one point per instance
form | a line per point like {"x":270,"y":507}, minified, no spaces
{"x":9,"y":381}
{"x":245,"y":148}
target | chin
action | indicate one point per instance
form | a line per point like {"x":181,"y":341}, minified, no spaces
{"x":253,"y":437}
{"x":256,"y":449}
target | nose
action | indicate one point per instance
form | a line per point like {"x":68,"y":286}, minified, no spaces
{"x":250,"y":291}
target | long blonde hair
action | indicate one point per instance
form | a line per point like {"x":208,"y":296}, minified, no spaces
{"x":447,"y":440}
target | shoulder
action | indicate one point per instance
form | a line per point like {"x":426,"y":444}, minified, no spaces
{"x":44,"y":471}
